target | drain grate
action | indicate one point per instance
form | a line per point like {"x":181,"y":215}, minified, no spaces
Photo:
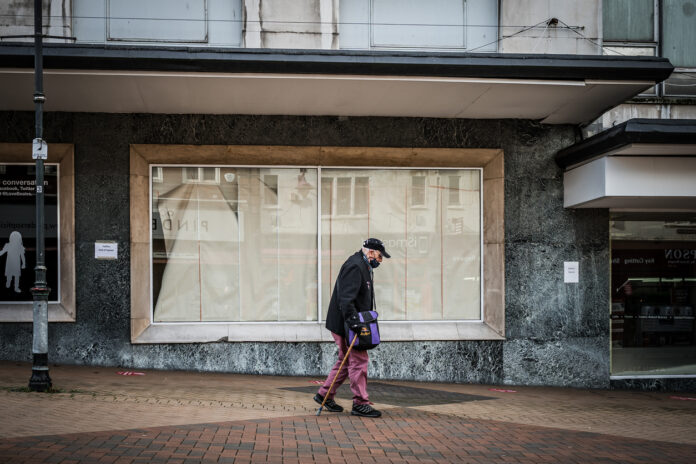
{"x":399,"y":395}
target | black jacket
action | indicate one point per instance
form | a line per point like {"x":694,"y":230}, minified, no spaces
{"x":353,"y":292}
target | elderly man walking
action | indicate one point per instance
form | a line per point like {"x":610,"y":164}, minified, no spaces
{"x":353,"y":293}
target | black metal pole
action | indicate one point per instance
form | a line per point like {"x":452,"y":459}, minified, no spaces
{"x":40,"y":380}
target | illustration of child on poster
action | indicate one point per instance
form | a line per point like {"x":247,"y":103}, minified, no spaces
{"x":14,"y":262}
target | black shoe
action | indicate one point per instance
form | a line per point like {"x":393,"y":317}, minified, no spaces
{"x":364,"y":410}
{"x":330,"y":405}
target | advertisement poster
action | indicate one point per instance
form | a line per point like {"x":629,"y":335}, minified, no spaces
{"x":18,"y":231}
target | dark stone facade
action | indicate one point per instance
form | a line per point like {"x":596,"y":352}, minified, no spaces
{"x":557,"y":333}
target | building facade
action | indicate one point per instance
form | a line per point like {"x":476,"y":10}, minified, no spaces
{"x":212,"y":163}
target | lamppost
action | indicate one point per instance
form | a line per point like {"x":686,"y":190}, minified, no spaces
{"x":40,"y":380}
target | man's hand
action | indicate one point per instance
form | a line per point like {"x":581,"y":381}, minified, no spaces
{"x":354,"y":323}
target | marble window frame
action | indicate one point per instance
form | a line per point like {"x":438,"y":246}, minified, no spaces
{"x":63,"y":155}
{"x":491,"y":327}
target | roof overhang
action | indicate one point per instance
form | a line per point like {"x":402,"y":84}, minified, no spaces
{"x":641,"y":165}
{"x":554,"y":89}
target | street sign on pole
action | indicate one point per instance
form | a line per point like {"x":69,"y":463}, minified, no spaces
{"x":39,"y":149}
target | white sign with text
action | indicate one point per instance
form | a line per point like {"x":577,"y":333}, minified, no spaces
{"x":105,"y":250}
{"x":571,"y":272}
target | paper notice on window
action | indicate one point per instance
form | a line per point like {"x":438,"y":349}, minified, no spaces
{"x":571,"y":272}
{"x":105,"y":250}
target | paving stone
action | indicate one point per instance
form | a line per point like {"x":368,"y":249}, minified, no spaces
{"x":233,"y":418}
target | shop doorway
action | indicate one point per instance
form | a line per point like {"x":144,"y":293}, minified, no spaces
{"x":653,"y":295}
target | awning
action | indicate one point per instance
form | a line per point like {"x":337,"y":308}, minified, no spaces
{"x":642,"y":165}
{"x":554,"y":89}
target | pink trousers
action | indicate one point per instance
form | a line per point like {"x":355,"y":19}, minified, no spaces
{"x":355,"y":368}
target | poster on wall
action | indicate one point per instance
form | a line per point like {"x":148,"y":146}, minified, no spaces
{"x":18,"y":231}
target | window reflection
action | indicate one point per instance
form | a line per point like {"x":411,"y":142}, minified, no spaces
{"x":237,"y":244}
{"x":653,"y":265}
{"x":220,"y":254}
{"x":434,"y":272}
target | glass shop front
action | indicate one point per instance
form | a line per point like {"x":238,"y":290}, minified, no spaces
{"x":264,"y":244}
{"x":653,"y":295}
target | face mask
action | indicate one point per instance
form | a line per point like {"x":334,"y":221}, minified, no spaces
{"x":373,"y":263}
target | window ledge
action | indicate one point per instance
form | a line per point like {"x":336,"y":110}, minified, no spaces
{"x":24,"y":312}
{"x":390,"y":331}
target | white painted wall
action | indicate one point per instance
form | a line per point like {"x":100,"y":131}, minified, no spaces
{"x":299,"y":24}
{"x":517,"y":15}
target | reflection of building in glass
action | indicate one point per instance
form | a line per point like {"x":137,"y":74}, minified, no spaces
{"x":240,"y":244}
{"x":653,"y":265}
{"x":234,"y":248}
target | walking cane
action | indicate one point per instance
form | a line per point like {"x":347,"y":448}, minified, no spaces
{"x":336,"y":376}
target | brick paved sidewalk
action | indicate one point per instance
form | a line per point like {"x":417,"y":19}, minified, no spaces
{"x":405,"y":436}
{"x":166,"y":416}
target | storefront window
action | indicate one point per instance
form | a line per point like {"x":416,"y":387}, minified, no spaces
{"x":653,"y":275}
{"x":18,"y":231}
{"x":240,"y":244}
{"x":430,"y":221}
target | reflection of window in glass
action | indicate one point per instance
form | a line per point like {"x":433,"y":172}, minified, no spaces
{"x":418,"y":191}
{"x":343,"y":195}
{"x":220,"y":255}
{"x":361,"y":198}
{"x":435,"y":272}
{"x":326,"y":194}
{"x":209,"y":174}
{"x":215,"y":258}
{"x":157,"y":174}
{"x":270,"y":189}
{"x":454,"y":193}
{"x":193,"y":175}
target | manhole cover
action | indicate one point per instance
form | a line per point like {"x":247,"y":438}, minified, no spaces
{"x":399,"y":395}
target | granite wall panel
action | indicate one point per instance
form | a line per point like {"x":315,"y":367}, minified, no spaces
{"x":660,"y":385}
{"x":557,"y":333}
{"x":565,"y":362}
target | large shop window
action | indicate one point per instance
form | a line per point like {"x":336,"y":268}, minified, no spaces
{"x":241,"y":244}
{"x":653,"y":275}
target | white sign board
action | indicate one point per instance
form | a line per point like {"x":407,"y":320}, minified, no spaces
{"x":105,"y":250}
{"x":571,"y":272}
{"x":39,"y":149}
